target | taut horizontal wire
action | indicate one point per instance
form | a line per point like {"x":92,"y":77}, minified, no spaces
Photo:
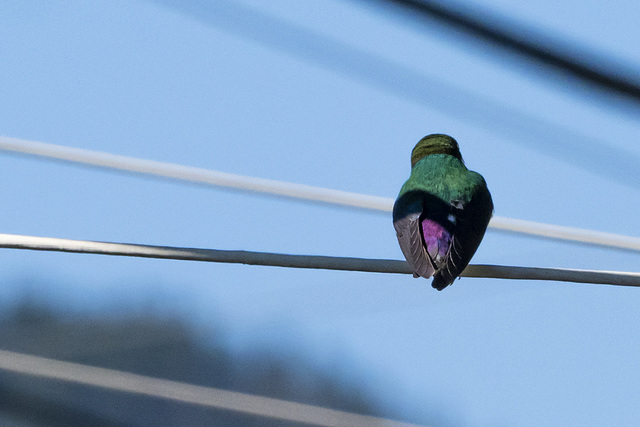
{"x":309,"y":261}
{"x":178,"y":391}
{"x":563,"y":233}
{"x":293,"y":190}
{"x":195,"y":175}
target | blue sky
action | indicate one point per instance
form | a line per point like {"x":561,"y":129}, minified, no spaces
{"x":240,"y":89}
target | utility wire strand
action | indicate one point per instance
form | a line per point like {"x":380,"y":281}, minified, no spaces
{"x":592,"y":71}
{"x":194,"y":174}
{"x":309,"y":261}
{"x":292,"y":190}
{"x":178,"y":391}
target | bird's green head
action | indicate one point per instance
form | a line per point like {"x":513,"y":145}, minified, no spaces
{"x":436,"y":143}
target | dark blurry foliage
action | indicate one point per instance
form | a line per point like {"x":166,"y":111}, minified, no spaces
{"x":158,"y":345}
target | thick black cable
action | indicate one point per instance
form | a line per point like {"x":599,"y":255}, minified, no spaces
{"x":592,"y":72}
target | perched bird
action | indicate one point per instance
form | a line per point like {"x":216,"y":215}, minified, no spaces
{"x":442,"y":211}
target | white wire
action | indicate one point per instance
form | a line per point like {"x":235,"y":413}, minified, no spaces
{"x":309,"y":261}
{"x":178,"y":391}
{"x":571,"y":234}
{"x":293,"y":190}
{"x":195,"y":175}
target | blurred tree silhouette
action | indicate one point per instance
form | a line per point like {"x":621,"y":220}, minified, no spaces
{"x":158,"y":345}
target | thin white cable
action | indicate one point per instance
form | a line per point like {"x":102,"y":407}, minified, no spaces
{"x":195,"y":175}
{"x":560,"y":232}
{"x":198,"y":395}
{"x":293,"y":190}
{"x":309,"y":261}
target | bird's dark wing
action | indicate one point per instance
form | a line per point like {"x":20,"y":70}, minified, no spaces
{"x":407,"y":212}
{"x":410,"y":239}
{"x":471,"y":223}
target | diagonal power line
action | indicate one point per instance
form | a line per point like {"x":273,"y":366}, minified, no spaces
{"x":511,"y":37}
{"x":292,"y":190}
{"x":112,"y":379}
{"x":13,"y":241}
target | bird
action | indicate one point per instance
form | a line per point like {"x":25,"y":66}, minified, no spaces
{"x":442,"y":211}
